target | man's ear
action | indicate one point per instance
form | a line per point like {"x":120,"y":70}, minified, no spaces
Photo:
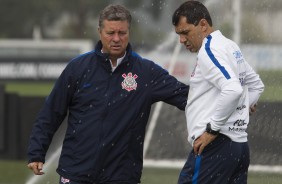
{"x":204,"y":24}
{"x":99,"y":32}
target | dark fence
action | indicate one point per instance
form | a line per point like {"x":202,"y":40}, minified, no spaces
{"x":169,"y":141}
{"x":17,"y":116}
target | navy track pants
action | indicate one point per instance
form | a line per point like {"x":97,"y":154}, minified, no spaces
{"x":222,"y":162}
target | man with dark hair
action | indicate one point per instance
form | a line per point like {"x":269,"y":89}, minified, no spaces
{"x":107,"y":94}
{"x":223,"y":89}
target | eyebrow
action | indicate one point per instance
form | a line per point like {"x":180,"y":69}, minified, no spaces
{"x":182,"y":31}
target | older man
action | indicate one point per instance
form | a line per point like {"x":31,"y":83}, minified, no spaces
{"x":108,"y":95}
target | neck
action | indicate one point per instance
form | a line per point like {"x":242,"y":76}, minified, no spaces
{"x":209,"y":31}
{"x":114,"y":61}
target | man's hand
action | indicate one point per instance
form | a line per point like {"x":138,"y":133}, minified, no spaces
{"x":253,"y":109}
{"x":202,"y":142}
{"x":36,"y":167}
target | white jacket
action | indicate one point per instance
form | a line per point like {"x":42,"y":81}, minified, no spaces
{"x":222,"y":88}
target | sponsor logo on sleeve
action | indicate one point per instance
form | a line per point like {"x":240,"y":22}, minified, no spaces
{"x":238,"y":126}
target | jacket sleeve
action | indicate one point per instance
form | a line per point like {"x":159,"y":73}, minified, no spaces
{"x":217,"y":71}
{"x":51,"y":116}
{"x":167,"y":88}
{"x":255,"y":85}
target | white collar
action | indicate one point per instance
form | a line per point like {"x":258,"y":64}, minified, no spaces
{"x":119,"y":60}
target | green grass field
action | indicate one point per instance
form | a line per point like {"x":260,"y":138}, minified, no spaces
{"x":29,"y":88}
{"x":273,"y":85}
{"x":16,"y":172}
{"x":271,"y":79}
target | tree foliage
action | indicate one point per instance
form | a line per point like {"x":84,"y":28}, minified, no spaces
{"x":19,"y":17}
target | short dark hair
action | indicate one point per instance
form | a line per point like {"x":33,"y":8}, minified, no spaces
{"x":194,"y":11}
{"x":115,"y":13}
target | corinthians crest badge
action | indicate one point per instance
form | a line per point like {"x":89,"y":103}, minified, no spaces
{"x":129,"y":83}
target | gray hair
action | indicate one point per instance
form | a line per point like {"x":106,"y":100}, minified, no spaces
{"x":114,"y":13}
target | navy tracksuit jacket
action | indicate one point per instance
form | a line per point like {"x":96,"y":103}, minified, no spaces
{"x":107,"y":116}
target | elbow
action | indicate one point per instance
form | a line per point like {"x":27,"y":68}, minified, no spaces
{"x":238,"y":92}
{"x":262,"y":87}
{"x":234,"y":89}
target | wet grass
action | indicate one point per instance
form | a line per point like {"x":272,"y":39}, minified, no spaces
{"x":29,"y":88}
{"x":16,"y":172}
{"x":272,"y":80}
{"x":273,"y":85}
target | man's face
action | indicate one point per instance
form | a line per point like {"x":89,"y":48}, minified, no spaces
{"x":190,"y":35}
{"x":114,"y":36}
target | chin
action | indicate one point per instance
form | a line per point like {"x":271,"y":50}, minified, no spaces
{"x":117,"y":53}
{"x":193,"y":50}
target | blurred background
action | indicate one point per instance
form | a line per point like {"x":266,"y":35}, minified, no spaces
{"x":38,"y":38}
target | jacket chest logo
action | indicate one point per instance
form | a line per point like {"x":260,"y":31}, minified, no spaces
{"x":129,"y":83}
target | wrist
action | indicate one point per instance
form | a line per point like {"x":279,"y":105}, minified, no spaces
{"x":210,"y":130}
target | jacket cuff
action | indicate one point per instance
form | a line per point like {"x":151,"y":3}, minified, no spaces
{"x":36,"y":160}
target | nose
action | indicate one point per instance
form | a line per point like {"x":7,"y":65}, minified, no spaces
{"x":116,"y":37}
{"x":182,"y":39}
